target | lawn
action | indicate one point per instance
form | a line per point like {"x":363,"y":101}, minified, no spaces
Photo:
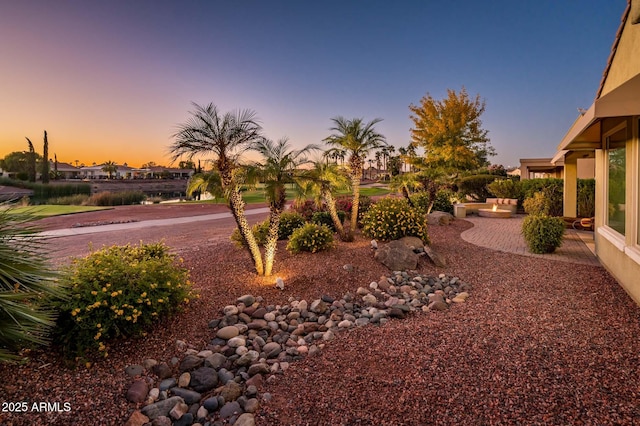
{"x":55,"y":210}
{"x":255,"y":196}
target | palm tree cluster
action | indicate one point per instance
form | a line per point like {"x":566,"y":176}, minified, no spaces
{"x":223,"y":138}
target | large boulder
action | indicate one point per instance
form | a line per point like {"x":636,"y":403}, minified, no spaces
{"x":439,"y":218}
{"x":435,"y":257}
{"x":413,"y":243}
{"x":397,"y":256}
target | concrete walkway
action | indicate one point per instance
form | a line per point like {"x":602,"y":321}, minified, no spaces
{"x":505,"y":235}
{"x":68,"y":232}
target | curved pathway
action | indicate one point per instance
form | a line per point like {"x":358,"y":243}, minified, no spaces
{"x":505,"y":235}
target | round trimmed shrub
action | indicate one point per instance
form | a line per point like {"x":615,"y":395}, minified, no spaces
{"x":118,"y":291}
{"x":542,"y":233}
{"x":393,"y":218}
{"x":310,"y":237}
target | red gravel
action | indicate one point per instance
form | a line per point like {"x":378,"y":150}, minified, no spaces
{"x":538,"y":342}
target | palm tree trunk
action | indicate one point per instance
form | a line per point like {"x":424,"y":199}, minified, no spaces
{"x":271,"y":244}
{"x":355,"y":183}
{"x":236,"y":203}
{"x":331,"y":205}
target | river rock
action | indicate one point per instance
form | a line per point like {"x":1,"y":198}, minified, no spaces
{"x":204,"y":379}
{"x":231,"y":391}
{"x":228,"y":332}
{"x":245,"y":419}
{"x":161,"y":408}
{"x":137,"y":419}
{"x":138,"y":391}
{"x":189,"y":396}
{"x":191,"y":362}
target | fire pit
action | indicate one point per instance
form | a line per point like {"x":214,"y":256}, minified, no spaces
{"x":494,"y":212}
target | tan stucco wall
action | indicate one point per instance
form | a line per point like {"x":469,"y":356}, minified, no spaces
{"x":626,"y":62}
{"x":623,"y":268}
{"x":586,"y":168}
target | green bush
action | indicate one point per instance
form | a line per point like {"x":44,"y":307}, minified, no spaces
{"x":117,"y":198}
{"x":506,"y":188}
{"x":311,"y":237}
{"x":552,"y":189}
{"x":537,"y":204}
{"x":543,"y":234}
{"x":324,"y":218}
{"x":393,"y":218}
{"x":70,"y":200}
{"x":42,"y":192}
{"x":118,"y":291}
{"x":443,"y":202}
{"x":289,"y":222}
{"x":586,"y":197}
{"x":475,"y":187}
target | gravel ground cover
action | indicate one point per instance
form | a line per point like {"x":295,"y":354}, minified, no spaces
{"x":538,"y":342}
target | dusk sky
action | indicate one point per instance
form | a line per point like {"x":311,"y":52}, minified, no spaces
{"x":111,"y":80}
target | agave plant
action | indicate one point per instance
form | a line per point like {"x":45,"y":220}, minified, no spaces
{"x":26,"y":282}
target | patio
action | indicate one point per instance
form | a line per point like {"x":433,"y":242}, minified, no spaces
{"x":505,"y":235}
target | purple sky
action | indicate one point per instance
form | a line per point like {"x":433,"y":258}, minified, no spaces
{"x":111,"y":80}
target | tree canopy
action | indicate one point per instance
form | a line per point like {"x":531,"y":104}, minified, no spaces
{"x":450,"y":131}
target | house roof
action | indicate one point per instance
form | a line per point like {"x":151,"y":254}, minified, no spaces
{"x":614,"y":48}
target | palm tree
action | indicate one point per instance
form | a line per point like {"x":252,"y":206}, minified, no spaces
{"x":279,"y":167}
{"x":26,"y":279}
{"x":405,"y":183}
{"x":226,"y":137}
{"x":403,"y":156}
{"x":110,"y":167}
{"x":357,"y":139}
{"x":323,"y":180}
{"x":370,"y":168}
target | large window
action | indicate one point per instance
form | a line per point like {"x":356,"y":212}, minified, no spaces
{"x":616,"y":183}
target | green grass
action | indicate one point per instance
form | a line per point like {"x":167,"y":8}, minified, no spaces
{"x":51,"y":210}
{"x":255,"y":196}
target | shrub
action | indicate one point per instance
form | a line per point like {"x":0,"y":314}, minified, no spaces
{"x":506,"y":188}
{"x":393,"y":218}
{"x":289,"y":222}
{"x":118,"y":291}
{"x":586,"y":197}
{"x":345,"y":202}
{"x":543,"y":234}
{"x":117,"y":198}
{"x":552,"y":189}
{"x":311,"y":237}
{"x":70,"y":200}
{"x":475,"y":187}
{"x":324,"y":218}
{"x":442,"y":203}
{"x":306,"y":208}
{"x":537,"y":205}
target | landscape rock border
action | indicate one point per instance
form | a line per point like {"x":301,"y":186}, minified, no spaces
{"x":255,"y":343}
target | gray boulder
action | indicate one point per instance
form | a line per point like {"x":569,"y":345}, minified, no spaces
{"x":397,"y":256}
{"x":161,"y":408}
{"x":436,"y":258}
{"x":439,"y":218}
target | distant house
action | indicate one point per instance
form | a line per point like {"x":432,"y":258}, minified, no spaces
{"x":609,"y":131}
{"x":65,"y":170}
{"x":170,"y":172}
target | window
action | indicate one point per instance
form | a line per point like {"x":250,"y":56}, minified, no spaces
{"x":616,"y":182}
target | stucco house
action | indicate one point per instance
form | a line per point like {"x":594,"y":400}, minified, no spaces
{"x":533,"y":168}
{"x":609,"y":131}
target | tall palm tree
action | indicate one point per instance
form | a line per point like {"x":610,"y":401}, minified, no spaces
{"x":26,"y":278}
{"x":226,"y":137}
{"x":279,"y":167}
{"x":109,"y":167}
{"x":403,"y":156}
{"x":358,"y":139}
{"x":323,"y":180}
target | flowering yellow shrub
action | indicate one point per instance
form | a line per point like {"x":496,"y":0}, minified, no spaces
{"x":393,"y":218}
{"x":118,"y":291}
